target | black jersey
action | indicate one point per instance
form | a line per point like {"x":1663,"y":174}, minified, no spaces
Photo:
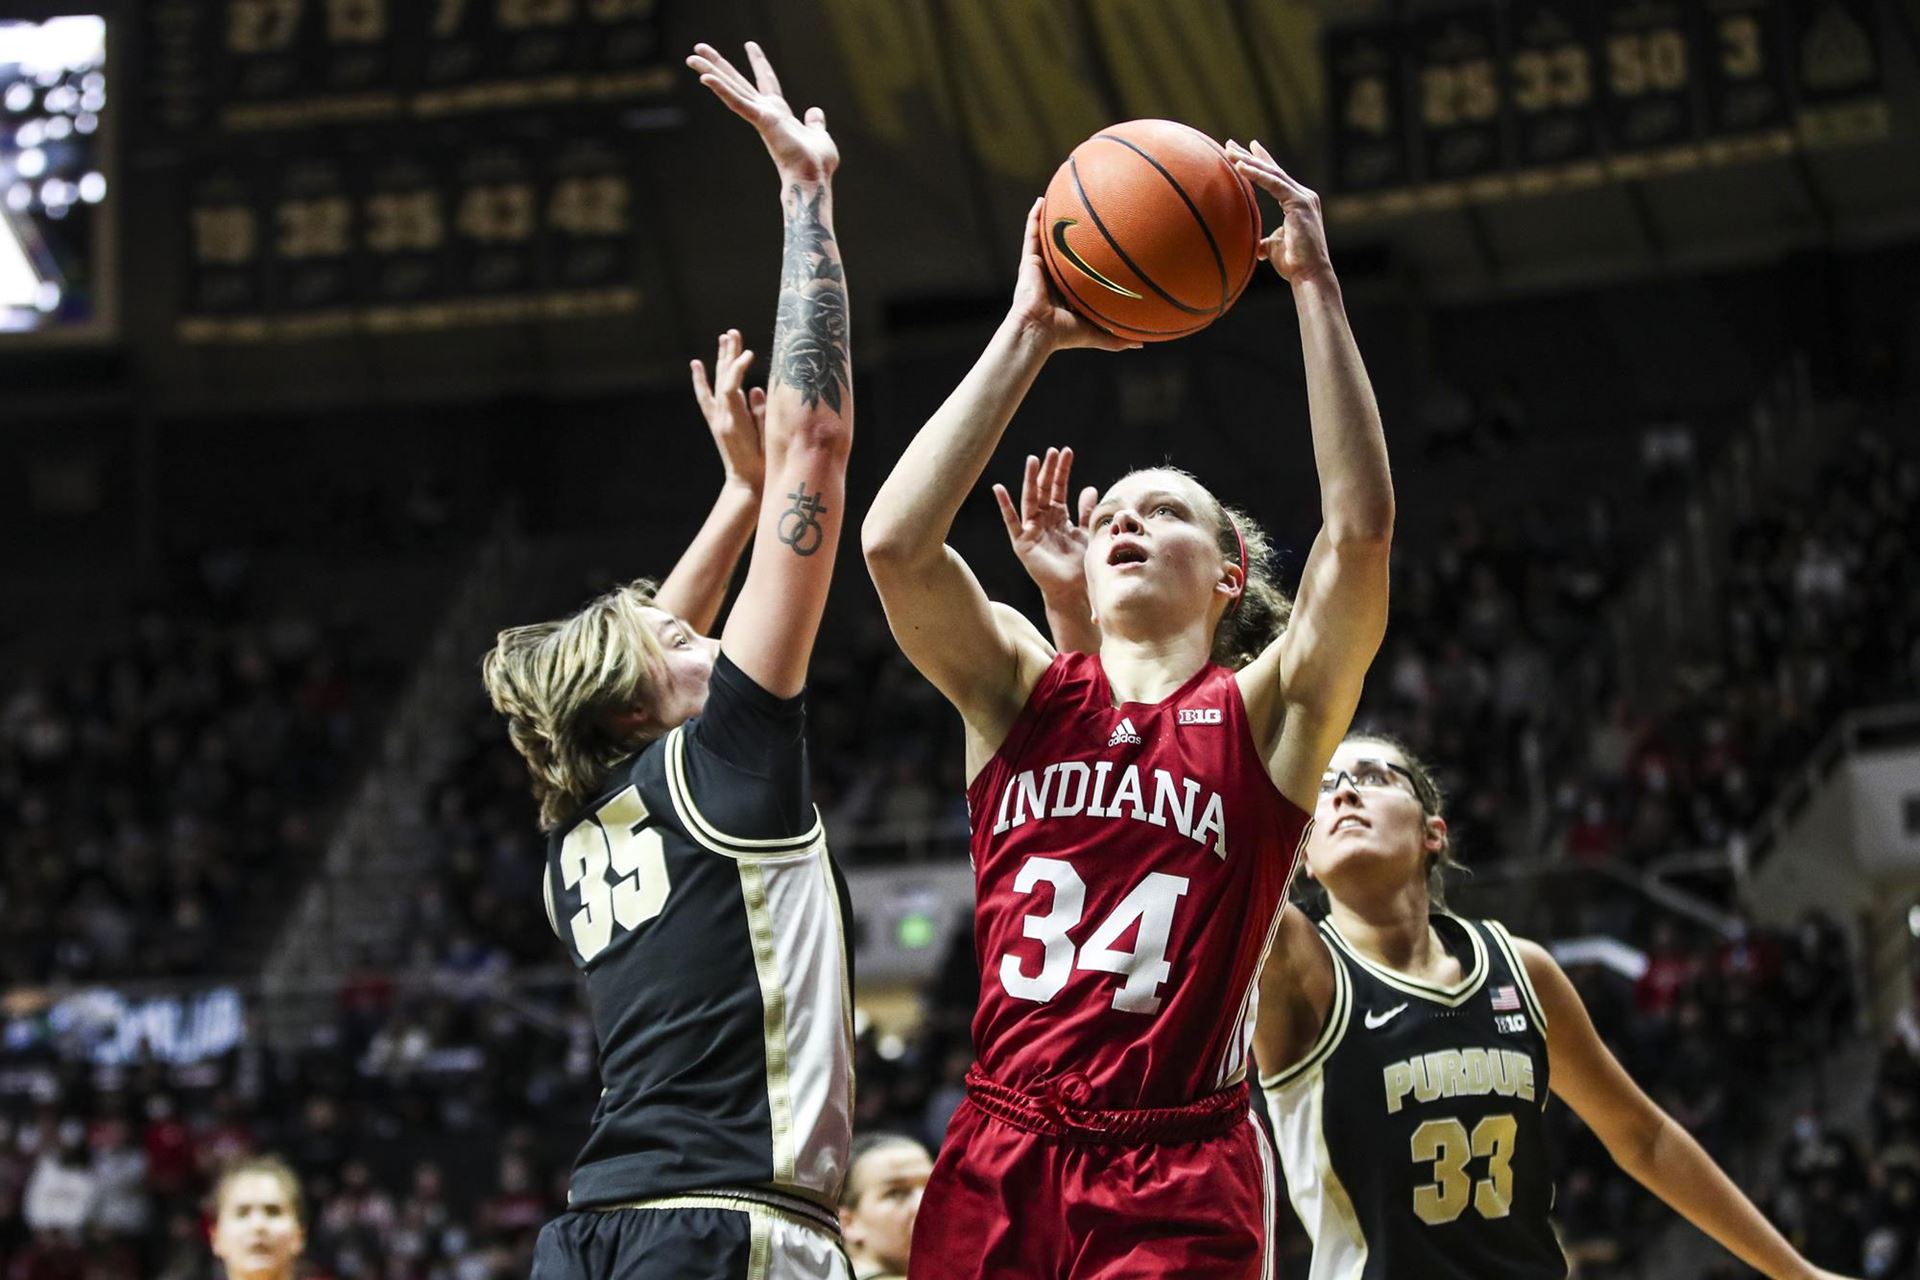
{"x":1411,"y":1132}
{"x":698,"y":896}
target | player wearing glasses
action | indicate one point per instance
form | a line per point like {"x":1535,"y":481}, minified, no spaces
{"x":1407,"y":1054}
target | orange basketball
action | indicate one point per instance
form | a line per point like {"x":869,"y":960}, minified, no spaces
{"x":1148,"y":231}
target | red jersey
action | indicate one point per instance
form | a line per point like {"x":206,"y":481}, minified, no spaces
{"x":1130,"y":864}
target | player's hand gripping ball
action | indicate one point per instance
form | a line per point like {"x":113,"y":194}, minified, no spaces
{"x":1149,"y":232}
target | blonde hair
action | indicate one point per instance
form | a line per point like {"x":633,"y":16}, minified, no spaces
{"x":272,"y":1166}
{"x":1260,"y":615}
{"x":562,"y":684}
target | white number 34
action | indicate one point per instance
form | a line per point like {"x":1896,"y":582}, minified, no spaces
{"x":1145,"y":967}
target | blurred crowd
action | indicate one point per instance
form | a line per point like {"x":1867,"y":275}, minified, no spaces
{"x":432,"y":1128}
{"x":163,"y":789}
{"x":157,"y":791}
{"x":1855,"y":1207}
{"x":1813,"y":622}
{"x":433,"y":1118}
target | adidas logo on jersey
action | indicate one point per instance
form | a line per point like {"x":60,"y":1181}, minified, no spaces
{"x":1124,"y":732}
{"x":1202,"y":715}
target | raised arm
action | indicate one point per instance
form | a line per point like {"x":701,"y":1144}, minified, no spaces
{"x":697,"y":587}
{"x":984,"y":658}
{"x":1050,"y":541}
{"x":1643,"y":1139}
{"x":809,"y":408}
{"x":1301,"y":693}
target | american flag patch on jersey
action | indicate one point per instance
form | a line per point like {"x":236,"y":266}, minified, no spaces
{"x":1506,"y":998}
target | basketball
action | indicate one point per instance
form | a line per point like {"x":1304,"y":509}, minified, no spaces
{"x":1148,"y":231}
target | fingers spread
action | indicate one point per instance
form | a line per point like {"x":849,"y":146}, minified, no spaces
{"x":742,"y":105}
{"x":1007,"y":513}
{"x":763,"y":71}
{"x":1049,"y":467}
{"x":718,"y":64}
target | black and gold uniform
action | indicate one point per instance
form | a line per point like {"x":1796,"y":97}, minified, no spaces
{"x":698,"y":897}
{"x":1411,"y":1133}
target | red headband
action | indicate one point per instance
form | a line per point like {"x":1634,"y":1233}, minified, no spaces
{"x":1243,"y":565}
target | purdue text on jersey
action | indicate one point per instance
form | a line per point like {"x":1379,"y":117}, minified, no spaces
{"x":1411,"y":1131}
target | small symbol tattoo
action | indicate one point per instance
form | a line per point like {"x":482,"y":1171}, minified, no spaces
{"x":799,"y":524}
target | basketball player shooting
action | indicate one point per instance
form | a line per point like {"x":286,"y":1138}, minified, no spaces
{"x":687,"y":873}
{"x":1156,"y":789}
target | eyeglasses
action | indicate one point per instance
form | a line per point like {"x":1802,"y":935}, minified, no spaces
{"x":1368,"y":775}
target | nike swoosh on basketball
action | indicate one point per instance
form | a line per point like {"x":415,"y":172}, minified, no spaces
{"x":1375,"y":1022}
{"x":1065,"y":250}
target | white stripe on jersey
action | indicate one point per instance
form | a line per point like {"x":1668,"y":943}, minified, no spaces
{"x":799,"y":951}
{"x":1233,"y":1067}
{"x":1268,"y":1197}
{"x":1322,"y":1203}
{"x":781,"y":1250}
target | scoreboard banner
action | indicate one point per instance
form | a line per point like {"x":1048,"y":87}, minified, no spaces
{"x":1550,"y":45}
{"x":215,"y":68}
{"x":374,"y":166}
{"x":331,"y":243}
{"x":1483,"y":101}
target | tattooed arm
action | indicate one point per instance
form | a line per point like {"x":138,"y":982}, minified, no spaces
{"x":809,"y":418}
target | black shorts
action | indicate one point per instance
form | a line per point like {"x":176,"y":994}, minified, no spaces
{"x":688,"y":1237}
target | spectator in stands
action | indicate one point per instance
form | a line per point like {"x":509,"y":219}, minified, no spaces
{"x":61,"y":1191}
{"x":259,"y":1224}
{"x":122,"y":1206}
{"x":880,"y":1202}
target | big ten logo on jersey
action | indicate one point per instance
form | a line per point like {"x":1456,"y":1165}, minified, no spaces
{"x":1202,"y":715}
{"x":618,"y":837}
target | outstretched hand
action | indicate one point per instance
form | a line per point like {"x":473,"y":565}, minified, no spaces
{"x":1297,"y":248}
{"x":1049,"y":539}
{"x":1037,"y":308}
{"x":801,"y":147}
{"x":736,"y":418}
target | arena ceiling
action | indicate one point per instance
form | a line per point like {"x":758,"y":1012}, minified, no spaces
{"x":951,"y":115}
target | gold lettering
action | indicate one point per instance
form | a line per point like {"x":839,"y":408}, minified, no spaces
{"x":1426,"y":1076}
{"x":1399,"y":1082}
{"x":1456,"y":1080}
{"x":1050,"y":52}
{"x":1497,"y":1071}
{"x":1473,"y":1064}
{"x":887,"y":48}
{"x":1286,"y":44}
{"x":1184,"y":61}
{"x":1523,"y":1068}
{"x":994,"y":101}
